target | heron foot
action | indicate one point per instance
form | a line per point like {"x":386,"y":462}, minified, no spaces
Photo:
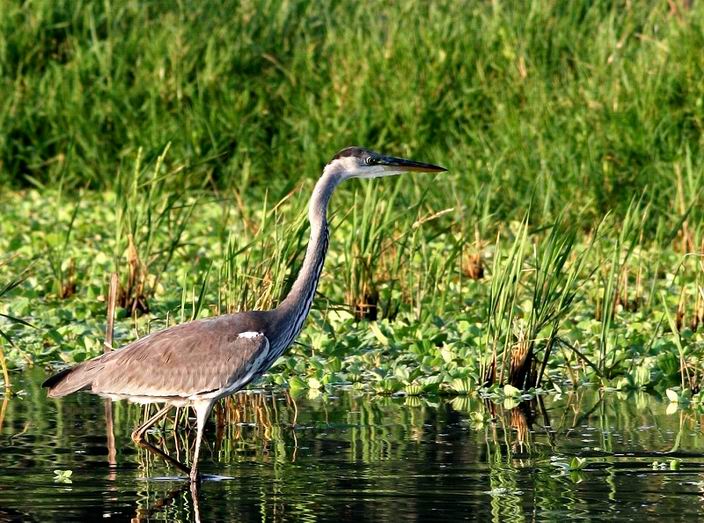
{"x":138,"y":436}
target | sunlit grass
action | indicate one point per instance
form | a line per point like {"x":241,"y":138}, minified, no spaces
{"x":577,"y":106}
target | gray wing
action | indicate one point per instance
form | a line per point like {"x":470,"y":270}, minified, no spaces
{"x":186,"y":360}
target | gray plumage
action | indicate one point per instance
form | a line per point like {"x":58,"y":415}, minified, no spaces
{"x":185,"y":361}
{"x":195,"y":364}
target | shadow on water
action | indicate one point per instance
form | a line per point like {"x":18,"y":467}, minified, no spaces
{"x":353,"y":457}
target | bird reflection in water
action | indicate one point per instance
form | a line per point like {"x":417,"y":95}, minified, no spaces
{"x":252,"y":420}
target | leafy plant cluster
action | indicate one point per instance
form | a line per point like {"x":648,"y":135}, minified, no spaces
{"x":175,"y":145}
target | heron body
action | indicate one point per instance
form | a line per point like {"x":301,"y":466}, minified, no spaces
{"x":197,"y":363}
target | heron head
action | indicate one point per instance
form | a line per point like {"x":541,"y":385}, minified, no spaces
{"x":357,"y":162}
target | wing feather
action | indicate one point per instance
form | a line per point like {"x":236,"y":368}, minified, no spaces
{"x":182,"y":362}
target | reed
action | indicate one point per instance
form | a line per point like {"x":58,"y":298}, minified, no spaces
{"x":149,"y":224}
{"x":89,"y":84}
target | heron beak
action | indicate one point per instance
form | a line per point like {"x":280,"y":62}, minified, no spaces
{"x":401,"y":164}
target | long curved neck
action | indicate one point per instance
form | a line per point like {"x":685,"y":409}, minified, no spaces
{"x":293,"y":310}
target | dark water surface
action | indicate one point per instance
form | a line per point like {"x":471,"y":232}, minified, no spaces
{"x":355,"y":457}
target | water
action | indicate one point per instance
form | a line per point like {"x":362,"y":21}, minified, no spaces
{"x":354,"y":457}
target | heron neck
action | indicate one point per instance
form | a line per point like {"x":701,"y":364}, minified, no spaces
{"x":294,"y":309}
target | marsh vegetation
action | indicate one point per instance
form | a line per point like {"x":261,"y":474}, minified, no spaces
{"x":565,"y":244}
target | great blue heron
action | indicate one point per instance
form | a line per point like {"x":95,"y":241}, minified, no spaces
{"x":197,"y":363}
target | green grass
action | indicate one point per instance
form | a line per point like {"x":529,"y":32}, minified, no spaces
{"x":576,"y":105}
{"x":176,"y":144}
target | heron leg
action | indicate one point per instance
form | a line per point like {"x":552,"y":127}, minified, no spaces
{"x":202,"y":412}
{"x":138,"y":434}
{"x":139,"y":437}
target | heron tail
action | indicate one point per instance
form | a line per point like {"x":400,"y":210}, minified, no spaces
{"x":70,"y":380}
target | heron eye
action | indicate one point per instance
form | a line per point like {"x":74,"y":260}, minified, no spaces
{"x":370,"y":160}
